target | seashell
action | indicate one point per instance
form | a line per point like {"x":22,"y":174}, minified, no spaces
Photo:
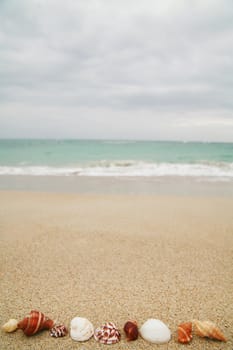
{"x":81,"y":329}
{"x":131,"y":330}
{"x":35,"y":322}
{"x":107,"y":334}
{"x":185,"y":332}
{"x":155,"y":331}
{"x":208,"y":329}
{"x":10,"y":326}
{"x":58,"y":331}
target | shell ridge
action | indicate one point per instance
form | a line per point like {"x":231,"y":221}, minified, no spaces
{"x":39,"y":322}
{"x":27,"y":325}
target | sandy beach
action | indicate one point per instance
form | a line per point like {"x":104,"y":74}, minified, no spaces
{"x":113,"y":258}
{"x":116,"y":170}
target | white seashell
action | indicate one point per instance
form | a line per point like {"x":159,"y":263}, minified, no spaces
{"x":81,"y":329}
{"x":155,"y":331}
{"x":10,"y":326}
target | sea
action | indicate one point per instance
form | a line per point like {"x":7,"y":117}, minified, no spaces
{"x":117,"y":158}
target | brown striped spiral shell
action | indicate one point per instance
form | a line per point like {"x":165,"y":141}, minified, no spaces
{"x":35,"y":322}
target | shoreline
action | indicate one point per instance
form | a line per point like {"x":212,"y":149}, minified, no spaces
{"x":114,"y":258}
{"x":165,"y":185}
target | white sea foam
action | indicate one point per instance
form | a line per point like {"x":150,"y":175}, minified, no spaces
{"x":126,"y":168}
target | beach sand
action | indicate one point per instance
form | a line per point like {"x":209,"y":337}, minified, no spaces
{"x":114,"y":258}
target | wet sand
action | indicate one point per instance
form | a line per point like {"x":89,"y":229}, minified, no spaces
{"x":138,"y":185}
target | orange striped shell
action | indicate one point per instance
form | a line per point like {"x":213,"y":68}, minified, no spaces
{"x":185,"y":332}
{"x":35,"y":322}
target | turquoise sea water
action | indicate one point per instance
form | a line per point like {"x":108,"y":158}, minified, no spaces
{"x":115,"y":158}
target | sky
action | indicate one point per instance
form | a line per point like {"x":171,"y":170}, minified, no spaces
{"x":125,"y":69}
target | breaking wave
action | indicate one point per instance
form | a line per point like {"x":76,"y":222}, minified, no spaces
{"x":125,"y":168}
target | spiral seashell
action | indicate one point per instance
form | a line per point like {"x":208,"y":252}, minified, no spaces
{"x":81,"y":329}
{"x":107,"y":334}
{"x":155,"y":331}
{"x":208,"y":329}
{"x":185,"y":332}
{"x":10,"y":326}
{"x":59,"y":331}
{"x":131,"y":330}
{"x":35,"y":322}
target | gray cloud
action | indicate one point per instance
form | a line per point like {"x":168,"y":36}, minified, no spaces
{"x":92,"y":62}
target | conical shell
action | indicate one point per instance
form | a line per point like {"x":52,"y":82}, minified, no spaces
{"x":35,"y":322}
{"x":185,"y":332}
{"x":107,"y":334}
{"x":10,"y":326}
{"x":81,"y":329}
{"x":131,"y":330}
{"x":208,"y":329}
{"x":155,"y":331}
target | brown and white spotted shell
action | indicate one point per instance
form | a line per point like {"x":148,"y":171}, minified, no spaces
{"x":59,"y":331}
{"x":107,"y":334}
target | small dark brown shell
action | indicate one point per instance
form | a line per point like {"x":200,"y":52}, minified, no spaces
{"x":59,"y":331}
{"x":131,"y":330}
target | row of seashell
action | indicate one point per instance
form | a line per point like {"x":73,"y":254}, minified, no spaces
{"x":81,"y":329}
{"x":154,"y":331}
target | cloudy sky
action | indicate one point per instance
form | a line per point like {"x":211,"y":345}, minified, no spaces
{"x":117,"y":69}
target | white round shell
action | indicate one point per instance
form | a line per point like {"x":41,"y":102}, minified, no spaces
{"x":81,"y":329}
{"x":155,"y":331}
{"x":10,"y":326}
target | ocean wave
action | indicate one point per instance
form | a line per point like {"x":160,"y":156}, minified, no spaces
{"x":125,"y":168}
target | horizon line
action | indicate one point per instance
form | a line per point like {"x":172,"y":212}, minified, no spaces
{"x":108,"y":139}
